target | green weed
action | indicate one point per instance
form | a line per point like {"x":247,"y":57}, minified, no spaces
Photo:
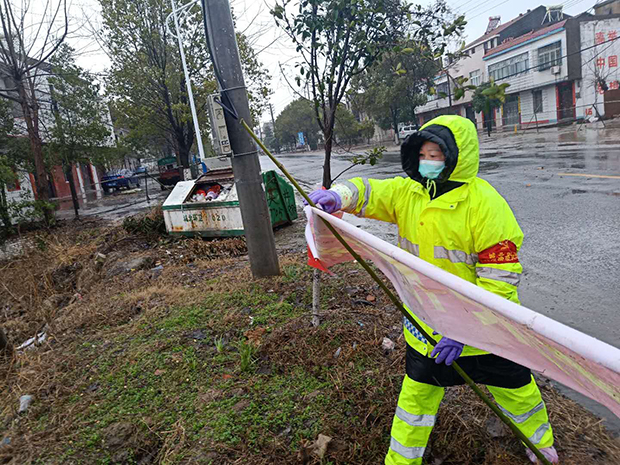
{"x":219,"y":344}
{"x":246,"y":356}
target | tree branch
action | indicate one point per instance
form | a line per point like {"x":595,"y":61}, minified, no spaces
{"x":45,"y":57}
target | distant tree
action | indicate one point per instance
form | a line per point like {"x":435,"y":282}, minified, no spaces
{"x":147,"y":82}
{"x":341,"y":39}
{"x":81,"y":125}
{"x":397,"y":84}
{"x":269,"y":137}
{"x":487,"y":97}
{"x":15,"y":157}
{"x":347,"y":129}
{"x":337,"y":39}
{"x":366,"y":130}
{"x":298,"y":116}
{"x":8,"y":167}
{"x":25,"y":48}
{"x":7,"y":177}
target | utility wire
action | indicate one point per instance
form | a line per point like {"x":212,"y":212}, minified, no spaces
{"x":484,"y":12}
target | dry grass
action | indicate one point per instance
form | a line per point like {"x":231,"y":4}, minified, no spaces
{"x":130,"y":372}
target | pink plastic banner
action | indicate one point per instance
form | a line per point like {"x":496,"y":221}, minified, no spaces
{"x":467,"y":313}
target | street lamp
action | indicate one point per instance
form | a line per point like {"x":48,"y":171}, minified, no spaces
{"x":175,"y":15}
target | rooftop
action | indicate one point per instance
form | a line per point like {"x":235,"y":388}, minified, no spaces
{"x":492,"y":33}
{"x":607,"y":2}
{"x":510,"y":43}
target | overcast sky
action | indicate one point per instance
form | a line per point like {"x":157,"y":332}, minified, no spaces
{"x":275,"y":49}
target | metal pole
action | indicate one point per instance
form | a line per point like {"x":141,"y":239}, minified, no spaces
{"x":517,"y":432}
{"x":220,"y":32}
{"x":146,"y":183}
{"x":201,"y":150}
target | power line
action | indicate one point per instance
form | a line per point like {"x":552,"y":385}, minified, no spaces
{"x":484,"y":12}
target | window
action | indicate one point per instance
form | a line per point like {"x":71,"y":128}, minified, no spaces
{"x":442,"y":88}
{"x":475,"y":78}
{"x":510,"y":67}
{"x":550,"y":55}
{"x":538,"y":101}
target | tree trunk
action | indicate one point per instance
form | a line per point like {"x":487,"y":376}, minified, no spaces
{"x":69,"y":173}
{"x":184,"y":147}
{"x":184,"y":157}
{"x":489,"y":119}
{"x":36,"y":145}
{"x":327,"y":169}
{"x":395,"y":124}
{"x":4,"y":213}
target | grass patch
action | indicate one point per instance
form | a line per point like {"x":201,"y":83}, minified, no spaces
{"x":201,"y":364}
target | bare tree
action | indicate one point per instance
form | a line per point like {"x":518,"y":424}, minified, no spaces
{"x":25,"y":47}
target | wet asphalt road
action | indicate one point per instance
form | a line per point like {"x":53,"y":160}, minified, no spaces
{"x":118,"y":205}
{"x":571,"y":223}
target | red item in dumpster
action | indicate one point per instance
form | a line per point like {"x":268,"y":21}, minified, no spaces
{"x":213,"y":192}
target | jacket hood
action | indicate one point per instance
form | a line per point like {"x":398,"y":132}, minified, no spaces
{"x":458,"y":139}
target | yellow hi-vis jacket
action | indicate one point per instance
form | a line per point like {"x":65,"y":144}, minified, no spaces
{"x":453,"y":230}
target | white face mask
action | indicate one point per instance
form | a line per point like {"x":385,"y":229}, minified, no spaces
{"x":431,"y":169}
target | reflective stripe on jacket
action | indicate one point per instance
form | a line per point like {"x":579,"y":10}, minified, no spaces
{"x":469,"y":231}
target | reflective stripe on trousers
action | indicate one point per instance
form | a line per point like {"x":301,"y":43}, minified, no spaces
{"x":525,"y":407}
{"x":413,"y":422}
{"x":417,"y":409}
{"x":524,"y":416}
{"x":410,"y":453}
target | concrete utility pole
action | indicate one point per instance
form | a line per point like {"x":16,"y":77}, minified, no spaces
{"x":246,"y":167}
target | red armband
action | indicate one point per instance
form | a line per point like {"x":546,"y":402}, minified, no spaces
{"x":504,"y":252}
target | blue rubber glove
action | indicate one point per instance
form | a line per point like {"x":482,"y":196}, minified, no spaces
{"x":447,"y":350}
{"x":326,"y":200}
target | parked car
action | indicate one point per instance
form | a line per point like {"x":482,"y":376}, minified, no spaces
{"x":140,"y":170}
{"x":406,"y":130}
{"x":117,"y":179}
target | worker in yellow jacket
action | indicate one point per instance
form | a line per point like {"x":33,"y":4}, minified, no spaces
{"x":449,"y":217}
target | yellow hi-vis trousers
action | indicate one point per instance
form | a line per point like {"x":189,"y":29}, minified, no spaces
{"x":417,"y":409}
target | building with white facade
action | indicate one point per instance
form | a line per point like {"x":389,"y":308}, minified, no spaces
{"x":544,"y":82}
{"x":600,"y":42}
{"x":474,"y":67}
